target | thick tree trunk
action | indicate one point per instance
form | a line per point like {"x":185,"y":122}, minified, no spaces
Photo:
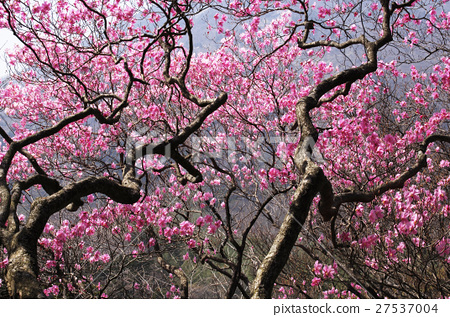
{"x":281,"y":248}
{"x":22,"y":270}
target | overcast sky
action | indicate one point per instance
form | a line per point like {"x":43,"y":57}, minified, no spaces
{"x":7,"y":40}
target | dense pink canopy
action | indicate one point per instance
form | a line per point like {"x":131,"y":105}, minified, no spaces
{"x":153,"y":146}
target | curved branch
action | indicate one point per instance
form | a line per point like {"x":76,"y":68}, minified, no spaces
{"x":350,"y":75}
{"x":48,"y":184}
{"x":42,"y":208}
{"x":398,"y":182}
{"x":169,"y":148}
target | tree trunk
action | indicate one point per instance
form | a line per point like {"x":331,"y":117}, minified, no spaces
{"x":22,"y":270}
{"x":281,"y":248}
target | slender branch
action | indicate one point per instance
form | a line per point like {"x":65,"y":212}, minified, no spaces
{"x":170,"y":268}
{"x":398,"y":182}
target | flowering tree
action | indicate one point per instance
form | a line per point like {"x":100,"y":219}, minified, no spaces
{"x":129,"y":148}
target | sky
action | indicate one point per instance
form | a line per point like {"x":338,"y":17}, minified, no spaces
{"x":7,"y":41}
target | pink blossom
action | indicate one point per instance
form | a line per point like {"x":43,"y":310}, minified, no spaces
{"x":48,"y":228}
{"x":90,"y":231}
{"x":389,"y":139}
{"x":50,"y":263}
{"x":401,"y":247}
{"x":45,"y":242}
{"x":208,"y":219}
{"x":90,"y":198}
{"x":191,"y":243}
{"x":317,"y":268}
{"x":359,"y":210}
{"x":328,"y":272}
{"x":105,"y":258}
{"x":443,"y":247}
{"x":376,"y":214}
{"x":186,"y":228}
{"x":200,"y":221}
{"x":212,"y":229}
{"x":315,"y":281}
{"x":392,"y":254}
{"x":373,"y":263}
{"x":95,"y":257}
{"x":273,"y":174}
{"x":61,"y":236}
{"x":168,"y":232}
{"x":54,"y":289}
